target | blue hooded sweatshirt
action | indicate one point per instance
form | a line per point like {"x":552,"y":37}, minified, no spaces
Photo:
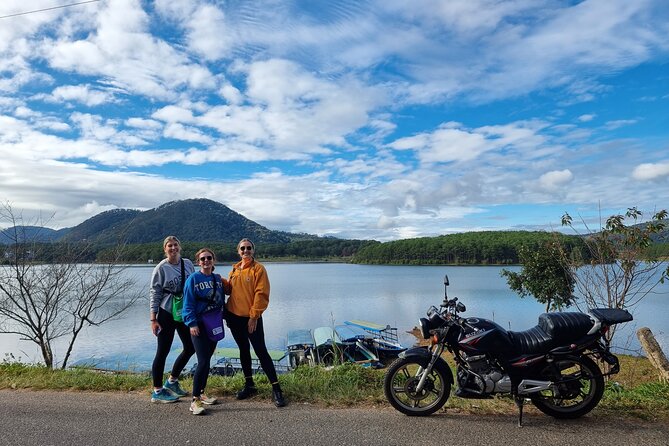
{"x":199,"y":296}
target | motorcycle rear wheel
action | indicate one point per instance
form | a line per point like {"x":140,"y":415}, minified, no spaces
{"x":577,"y":390}
{"x":402,"y":379}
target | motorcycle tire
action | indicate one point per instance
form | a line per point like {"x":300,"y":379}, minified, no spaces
{"x":403,"y":376}
{"x":577,"y":390}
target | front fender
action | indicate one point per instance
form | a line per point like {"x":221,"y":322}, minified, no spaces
{"x":422,"y":352}
{"x":422,"y":355}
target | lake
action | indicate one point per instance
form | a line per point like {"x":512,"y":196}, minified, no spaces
{"x":309,"y":295}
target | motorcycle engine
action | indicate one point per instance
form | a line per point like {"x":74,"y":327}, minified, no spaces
{"x":482,"y":376}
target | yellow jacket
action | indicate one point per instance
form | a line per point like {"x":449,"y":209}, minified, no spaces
{"x":249,"y":295}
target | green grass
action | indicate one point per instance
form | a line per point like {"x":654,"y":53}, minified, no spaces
{"x":635,"y":392}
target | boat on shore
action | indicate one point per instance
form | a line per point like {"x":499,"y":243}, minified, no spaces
{"x":228,"y":362}
{"x":384,"y":339}
{"x":301,"y":348}
{"x":360,"y":342}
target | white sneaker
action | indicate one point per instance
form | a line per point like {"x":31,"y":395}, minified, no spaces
{"x":208,"y":400}
{"x":197,"y":407}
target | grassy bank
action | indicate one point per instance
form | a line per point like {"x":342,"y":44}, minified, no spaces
{"x":635,"y":392}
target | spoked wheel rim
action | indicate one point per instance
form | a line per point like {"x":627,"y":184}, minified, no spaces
{"x":404,"y":383}
{"x":578,"y":390}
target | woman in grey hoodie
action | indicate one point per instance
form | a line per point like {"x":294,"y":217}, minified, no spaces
{"x":167,"y":282}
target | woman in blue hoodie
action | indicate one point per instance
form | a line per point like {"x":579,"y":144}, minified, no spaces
{"x":203,"y":291}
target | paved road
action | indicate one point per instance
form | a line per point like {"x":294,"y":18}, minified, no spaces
{"x":74,"y":418}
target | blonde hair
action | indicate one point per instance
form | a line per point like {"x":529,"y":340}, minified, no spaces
{"x":210,"y":251}
{"x":197,"y":254}
{"x":171,"y":238}
{"x":246,"y":240}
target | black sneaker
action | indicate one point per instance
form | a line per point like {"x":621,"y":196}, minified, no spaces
{"x":246,"y":392}
{"x":277,"y":396}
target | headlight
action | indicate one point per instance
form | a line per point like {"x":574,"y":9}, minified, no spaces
{"x":424,"y":328}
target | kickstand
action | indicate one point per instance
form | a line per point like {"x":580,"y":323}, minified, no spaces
{"x":519,"y":403}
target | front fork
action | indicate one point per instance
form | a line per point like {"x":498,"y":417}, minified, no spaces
{"x":425,"y":372}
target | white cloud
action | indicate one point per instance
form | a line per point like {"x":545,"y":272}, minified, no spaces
{"x":173,"y":113}
{"x":452,"y":142}
{"x":587,"y":117}
{"x":612,"y":125}
{"x":183,"y":133}
{"x":651,"y":171}
{"x":555,"y":179}
{"x":81,"y":93}
{"x":231,"y":94}
{"x":122,"y":49}
{"x":208,"y":34}
{"x":144,"y":123}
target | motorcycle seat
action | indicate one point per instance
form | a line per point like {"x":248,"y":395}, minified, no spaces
{"x":554,"y":329}
{"x":534,"y":340}
{"x":566,"y":327}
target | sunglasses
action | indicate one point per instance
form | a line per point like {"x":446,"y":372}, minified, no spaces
{"x":203,"y":258}
{"x":246,"y":248}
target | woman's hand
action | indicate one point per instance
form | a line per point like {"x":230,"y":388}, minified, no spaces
{"x":155,"y":327}
{"x":195,"y":331}
{"x":252,"y":325}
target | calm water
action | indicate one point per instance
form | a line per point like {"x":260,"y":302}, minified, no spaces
{"x":312,"y":295}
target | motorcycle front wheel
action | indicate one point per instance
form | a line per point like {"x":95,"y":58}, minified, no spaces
{"x":402,"y":379}
{"x":577,"y":388}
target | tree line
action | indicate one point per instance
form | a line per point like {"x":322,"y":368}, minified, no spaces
{"x":470,"y":248}
{"x":318,"y":249}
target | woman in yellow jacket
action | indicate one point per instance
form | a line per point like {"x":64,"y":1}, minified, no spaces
{"x":249,"y":297}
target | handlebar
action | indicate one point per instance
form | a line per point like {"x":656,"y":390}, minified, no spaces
{"x":453,"y":303}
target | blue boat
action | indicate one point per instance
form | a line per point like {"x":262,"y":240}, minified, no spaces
{"x":384,"y":340}
{"x":328,"y":345}
{"x":356,"y":347}
{"x":301,"y":348}
{"x":226,"y":362}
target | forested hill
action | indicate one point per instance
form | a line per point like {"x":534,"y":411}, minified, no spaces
{"x":469,"y":248}
{"x":194,"y":220}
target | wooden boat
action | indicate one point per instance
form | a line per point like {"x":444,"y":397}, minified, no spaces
{"x":301,"y":348}
{"x":384,"y":339}
{"x":328,"y":346}
{"x":356,"y":345}
{"x":228,"y":362}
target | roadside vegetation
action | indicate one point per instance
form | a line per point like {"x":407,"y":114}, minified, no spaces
{"x":636,"y":392}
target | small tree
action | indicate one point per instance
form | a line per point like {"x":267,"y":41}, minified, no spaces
{"x":544,"y":275}
{"x":45,"y":302}
{"x":617,"y":270}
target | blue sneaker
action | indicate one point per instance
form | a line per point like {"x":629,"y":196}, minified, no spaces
{"x":163,"y":396}
{"x":175,"y":389}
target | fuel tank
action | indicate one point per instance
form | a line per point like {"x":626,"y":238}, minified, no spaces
{"x":484,"y":336}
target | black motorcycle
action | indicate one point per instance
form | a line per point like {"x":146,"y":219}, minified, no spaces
{"x":551,"y":364}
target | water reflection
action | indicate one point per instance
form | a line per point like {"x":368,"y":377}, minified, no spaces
{"x":312,"y":295}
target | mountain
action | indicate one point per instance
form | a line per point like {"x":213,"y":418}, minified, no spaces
{"x":193,"y":220}
{"x":104,"y":228}
{"x":30,"y":234}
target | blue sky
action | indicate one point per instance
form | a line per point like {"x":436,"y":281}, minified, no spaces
{"x":359,"y":119}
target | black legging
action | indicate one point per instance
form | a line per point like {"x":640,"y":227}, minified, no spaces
{"x":204,"y":349}
{"x":167,"y":328}
{"x":240,"y":331}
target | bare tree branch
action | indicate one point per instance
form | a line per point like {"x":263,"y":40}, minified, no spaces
{"x":44,"y":302}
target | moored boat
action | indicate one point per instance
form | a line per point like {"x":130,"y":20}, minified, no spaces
{"x":228,"y":362}
{"x":356,"y":346}
{"x":301,"y":348}
{"x":383,"y":339}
